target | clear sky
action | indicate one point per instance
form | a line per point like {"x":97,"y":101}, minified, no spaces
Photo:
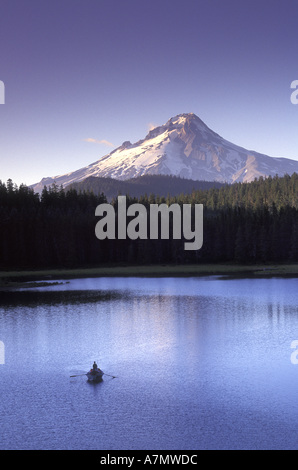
{"x":82,"y":76}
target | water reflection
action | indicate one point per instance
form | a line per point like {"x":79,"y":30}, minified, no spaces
{"x":201,"y":363}
{"x":35,"y":298}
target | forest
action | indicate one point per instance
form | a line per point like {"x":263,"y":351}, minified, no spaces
{"x":250,"y":223}
{"x":142,"y":185}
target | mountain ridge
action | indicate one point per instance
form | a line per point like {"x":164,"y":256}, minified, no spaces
{"x":159,"y":185}
{"x":185,"y":147}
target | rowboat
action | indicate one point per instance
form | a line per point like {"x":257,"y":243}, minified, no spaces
{"x":95,"y":375}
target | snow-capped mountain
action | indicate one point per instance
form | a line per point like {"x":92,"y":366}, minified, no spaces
{"x":184,"y":147}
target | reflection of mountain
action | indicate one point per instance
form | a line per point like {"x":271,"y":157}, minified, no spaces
{"x":184,"y":147}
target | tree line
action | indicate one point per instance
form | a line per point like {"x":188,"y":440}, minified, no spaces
{"x":141,"y":185}
{"x":253,"y":222}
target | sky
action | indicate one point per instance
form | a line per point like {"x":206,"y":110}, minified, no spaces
{"x":83,"y":76}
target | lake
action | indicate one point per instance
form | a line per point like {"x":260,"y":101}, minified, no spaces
{"x":201,"y":363}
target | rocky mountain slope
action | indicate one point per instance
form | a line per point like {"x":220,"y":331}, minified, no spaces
{"x":183,"y":147}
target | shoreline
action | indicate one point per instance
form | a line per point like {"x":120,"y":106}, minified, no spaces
{"x":21,"y":278}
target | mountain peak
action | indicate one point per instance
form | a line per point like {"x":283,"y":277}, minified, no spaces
{"x":186,"y":147}
{"x":182,"y":117}
{"x":181,"y":121}
{"x":185,"y":117}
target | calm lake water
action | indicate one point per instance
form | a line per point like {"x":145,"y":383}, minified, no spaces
{"x":201,"y":363}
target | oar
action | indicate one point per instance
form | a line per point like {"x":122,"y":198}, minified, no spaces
{"x":79,"y":375}
{"x":114,"y":377}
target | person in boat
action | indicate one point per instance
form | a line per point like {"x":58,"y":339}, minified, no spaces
{"x":95,"y":369}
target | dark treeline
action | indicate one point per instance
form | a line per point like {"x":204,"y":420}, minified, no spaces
{"x":245,"y":222}
{"x":52,"y":230}
{"x":146,"y":184}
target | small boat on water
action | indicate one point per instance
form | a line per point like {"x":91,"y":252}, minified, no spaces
{"x":95,"y":374}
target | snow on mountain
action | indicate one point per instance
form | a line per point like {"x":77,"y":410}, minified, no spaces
{"x":184,"y":147}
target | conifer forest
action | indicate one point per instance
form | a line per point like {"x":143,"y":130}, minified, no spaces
{"x":251,"y":223}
